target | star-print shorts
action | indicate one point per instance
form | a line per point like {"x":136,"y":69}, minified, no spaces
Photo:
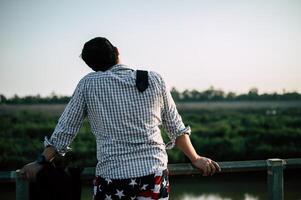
{"x":150,"y":187}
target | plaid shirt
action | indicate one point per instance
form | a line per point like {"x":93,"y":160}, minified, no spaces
{"x":125,"y":122}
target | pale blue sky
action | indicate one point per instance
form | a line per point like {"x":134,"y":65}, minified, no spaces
{"x":231,"y":45}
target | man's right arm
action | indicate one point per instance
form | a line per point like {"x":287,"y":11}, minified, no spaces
{"x":30,"y":170}
{"x":49,"y":153}
{"x":64,"y":133}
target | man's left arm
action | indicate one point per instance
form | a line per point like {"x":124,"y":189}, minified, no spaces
{"x":179,"y":135}
{"x":206,"y":165}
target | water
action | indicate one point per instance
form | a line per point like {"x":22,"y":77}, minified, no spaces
{"x":251,"y":186}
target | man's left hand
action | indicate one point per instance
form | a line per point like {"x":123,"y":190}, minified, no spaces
{"x":206,"y":165}
{"x":29,"y":171}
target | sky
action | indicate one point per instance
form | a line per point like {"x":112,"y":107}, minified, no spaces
{"x":194,"y":44}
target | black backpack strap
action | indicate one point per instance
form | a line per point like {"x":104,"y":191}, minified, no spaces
{"x":141,"y":80}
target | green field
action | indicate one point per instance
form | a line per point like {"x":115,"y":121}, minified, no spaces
{"x":222,"y":131}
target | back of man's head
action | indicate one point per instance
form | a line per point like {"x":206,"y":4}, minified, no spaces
{"x":99,"y":54}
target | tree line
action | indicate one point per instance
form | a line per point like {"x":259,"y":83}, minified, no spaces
{"x":213,"y":94}
{"x":222,"y":135}
{"x":194,"y":95}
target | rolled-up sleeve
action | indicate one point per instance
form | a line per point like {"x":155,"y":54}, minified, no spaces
{"x":171,"y":119}
{"x":69,"y":123}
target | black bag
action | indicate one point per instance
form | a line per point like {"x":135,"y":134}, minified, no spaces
{"x":54,"y":183}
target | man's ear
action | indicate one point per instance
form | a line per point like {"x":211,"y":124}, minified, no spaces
{"x":116,"y":51}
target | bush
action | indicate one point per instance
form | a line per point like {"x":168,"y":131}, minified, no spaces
{"x":219,"y":134}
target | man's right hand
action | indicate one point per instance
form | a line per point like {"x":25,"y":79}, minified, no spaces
{"x":29,"y":171}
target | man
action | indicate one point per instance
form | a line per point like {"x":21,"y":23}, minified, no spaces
{"x":125,"y":116}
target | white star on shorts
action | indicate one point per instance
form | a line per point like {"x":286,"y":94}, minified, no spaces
{"x":156,"y":188}
{"x":144,"y":186}
{"x":108,"y":197}
{"x":133,"y":182}
{"x":119,"y":193}
{"x":108,"y":180}
{"x":164,"y":183}
{"x":95,"y":190}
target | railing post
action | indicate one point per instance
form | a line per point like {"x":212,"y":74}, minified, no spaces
{"x":22,"y":188}
{"x":275,"y":179}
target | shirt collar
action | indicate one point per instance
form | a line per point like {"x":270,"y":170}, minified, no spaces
{"x":118,"y":67}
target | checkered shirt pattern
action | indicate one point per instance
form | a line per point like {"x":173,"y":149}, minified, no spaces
{"x":125,"y":122}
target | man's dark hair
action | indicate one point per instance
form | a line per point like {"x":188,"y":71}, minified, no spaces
{"x":99,"y":54}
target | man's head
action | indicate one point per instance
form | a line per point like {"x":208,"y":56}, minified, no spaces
{"x":99,"y":54}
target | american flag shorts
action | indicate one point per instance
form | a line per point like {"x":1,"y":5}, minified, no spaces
{"x":150,"y":187}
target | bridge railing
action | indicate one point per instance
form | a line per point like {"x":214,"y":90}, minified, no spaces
{"x":274,"y":168}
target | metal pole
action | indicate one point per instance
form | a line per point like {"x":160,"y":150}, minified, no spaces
{"x":275,"y":179}
{"x":22,"y":188}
